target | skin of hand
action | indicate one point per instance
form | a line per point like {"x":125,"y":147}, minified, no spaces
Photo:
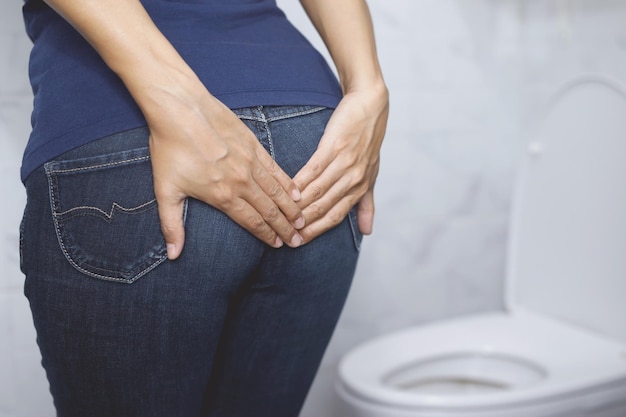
{"x":199,"y":148}
{"x":342,"y":172}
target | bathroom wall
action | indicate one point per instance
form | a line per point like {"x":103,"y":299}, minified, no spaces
{"x":467,"y":78}
{"x":23,"y":388}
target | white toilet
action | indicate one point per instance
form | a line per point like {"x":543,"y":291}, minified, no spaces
{"x":559,"y":349}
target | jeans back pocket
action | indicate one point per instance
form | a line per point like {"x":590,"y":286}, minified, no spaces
{"x":105,"y":214}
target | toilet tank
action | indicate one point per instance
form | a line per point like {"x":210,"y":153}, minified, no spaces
{"x":567,"y":244}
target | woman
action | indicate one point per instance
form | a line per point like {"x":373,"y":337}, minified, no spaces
{"x":211,"y":124}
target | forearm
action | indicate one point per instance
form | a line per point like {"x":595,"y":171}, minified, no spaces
{"x":346,"y":28}
{"x":342,"y":172}
{"x":123,"y":33}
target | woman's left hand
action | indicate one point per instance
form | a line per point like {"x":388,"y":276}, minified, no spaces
{"x":343,"y":170}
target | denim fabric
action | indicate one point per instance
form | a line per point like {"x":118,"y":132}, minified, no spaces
{"x":233,"y":328}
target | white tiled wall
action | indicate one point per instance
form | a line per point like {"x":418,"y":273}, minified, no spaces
{"x":466,"y":78}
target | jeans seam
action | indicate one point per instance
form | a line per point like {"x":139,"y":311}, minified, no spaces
{"x":354,"y":229}
{"x":21,"y":241}
{"x":266,"y":126}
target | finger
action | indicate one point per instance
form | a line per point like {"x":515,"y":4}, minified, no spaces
{"x":315,"y":166}
{"x":248,"y":217}
{"x":171,"y":218}
{"x":340,"y":189}
{"x":331,"y":219}
{"x":365,"y":213}
{"x":332,"y":184}
{"x":279,"y":175}
{"x":275,"y":183}
{"x":263,"y":204}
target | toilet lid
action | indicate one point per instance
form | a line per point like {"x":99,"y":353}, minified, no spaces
{"x":567,"y":248}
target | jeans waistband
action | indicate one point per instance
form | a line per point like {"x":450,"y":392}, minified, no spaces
{"x":138,"y":137}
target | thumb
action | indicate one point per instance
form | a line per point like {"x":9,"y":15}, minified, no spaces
{"x":171,"y":216}
{"x":365,"y":213}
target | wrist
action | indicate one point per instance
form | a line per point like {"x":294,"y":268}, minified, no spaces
{"x":374,"y":86}
{"x":162,"y":81}
{"x":362,"y":80}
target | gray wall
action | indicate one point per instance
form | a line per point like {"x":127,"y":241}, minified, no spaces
{"x":466,"y":80}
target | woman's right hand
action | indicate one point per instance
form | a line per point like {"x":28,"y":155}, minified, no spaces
{"x":199,"y":148}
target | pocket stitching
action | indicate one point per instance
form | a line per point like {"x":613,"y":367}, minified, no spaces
{"x":108,"y":215}
{"x":60,"y":233}
{"x":108,"y":164}
{"x":55,"y":215}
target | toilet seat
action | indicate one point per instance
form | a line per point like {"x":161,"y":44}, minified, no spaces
{"x":572,"y":363}
{"x":465,"y":374}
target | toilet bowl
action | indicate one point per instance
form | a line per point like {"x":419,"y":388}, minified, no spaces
{"x":559,"y":347}
{"x":515,"y":364}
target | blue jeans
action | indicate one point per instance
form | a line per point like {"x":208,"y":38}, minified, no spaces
{"x":231,"y":328}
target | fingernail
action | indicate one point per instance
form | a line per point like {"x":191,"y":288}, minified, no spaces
{"x":278,"y":242}
{"x":295,"y":194}
{"x":296,"y":241}
{"x":299,"y":224}
{"x":171,"y":249}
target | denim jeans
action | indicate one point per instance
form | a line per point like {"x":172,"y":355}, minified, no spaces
{"x":231,"y":328}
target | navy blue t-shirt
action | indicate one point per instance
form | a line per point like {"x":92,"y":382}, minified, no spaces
{"x":245,"y":51}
